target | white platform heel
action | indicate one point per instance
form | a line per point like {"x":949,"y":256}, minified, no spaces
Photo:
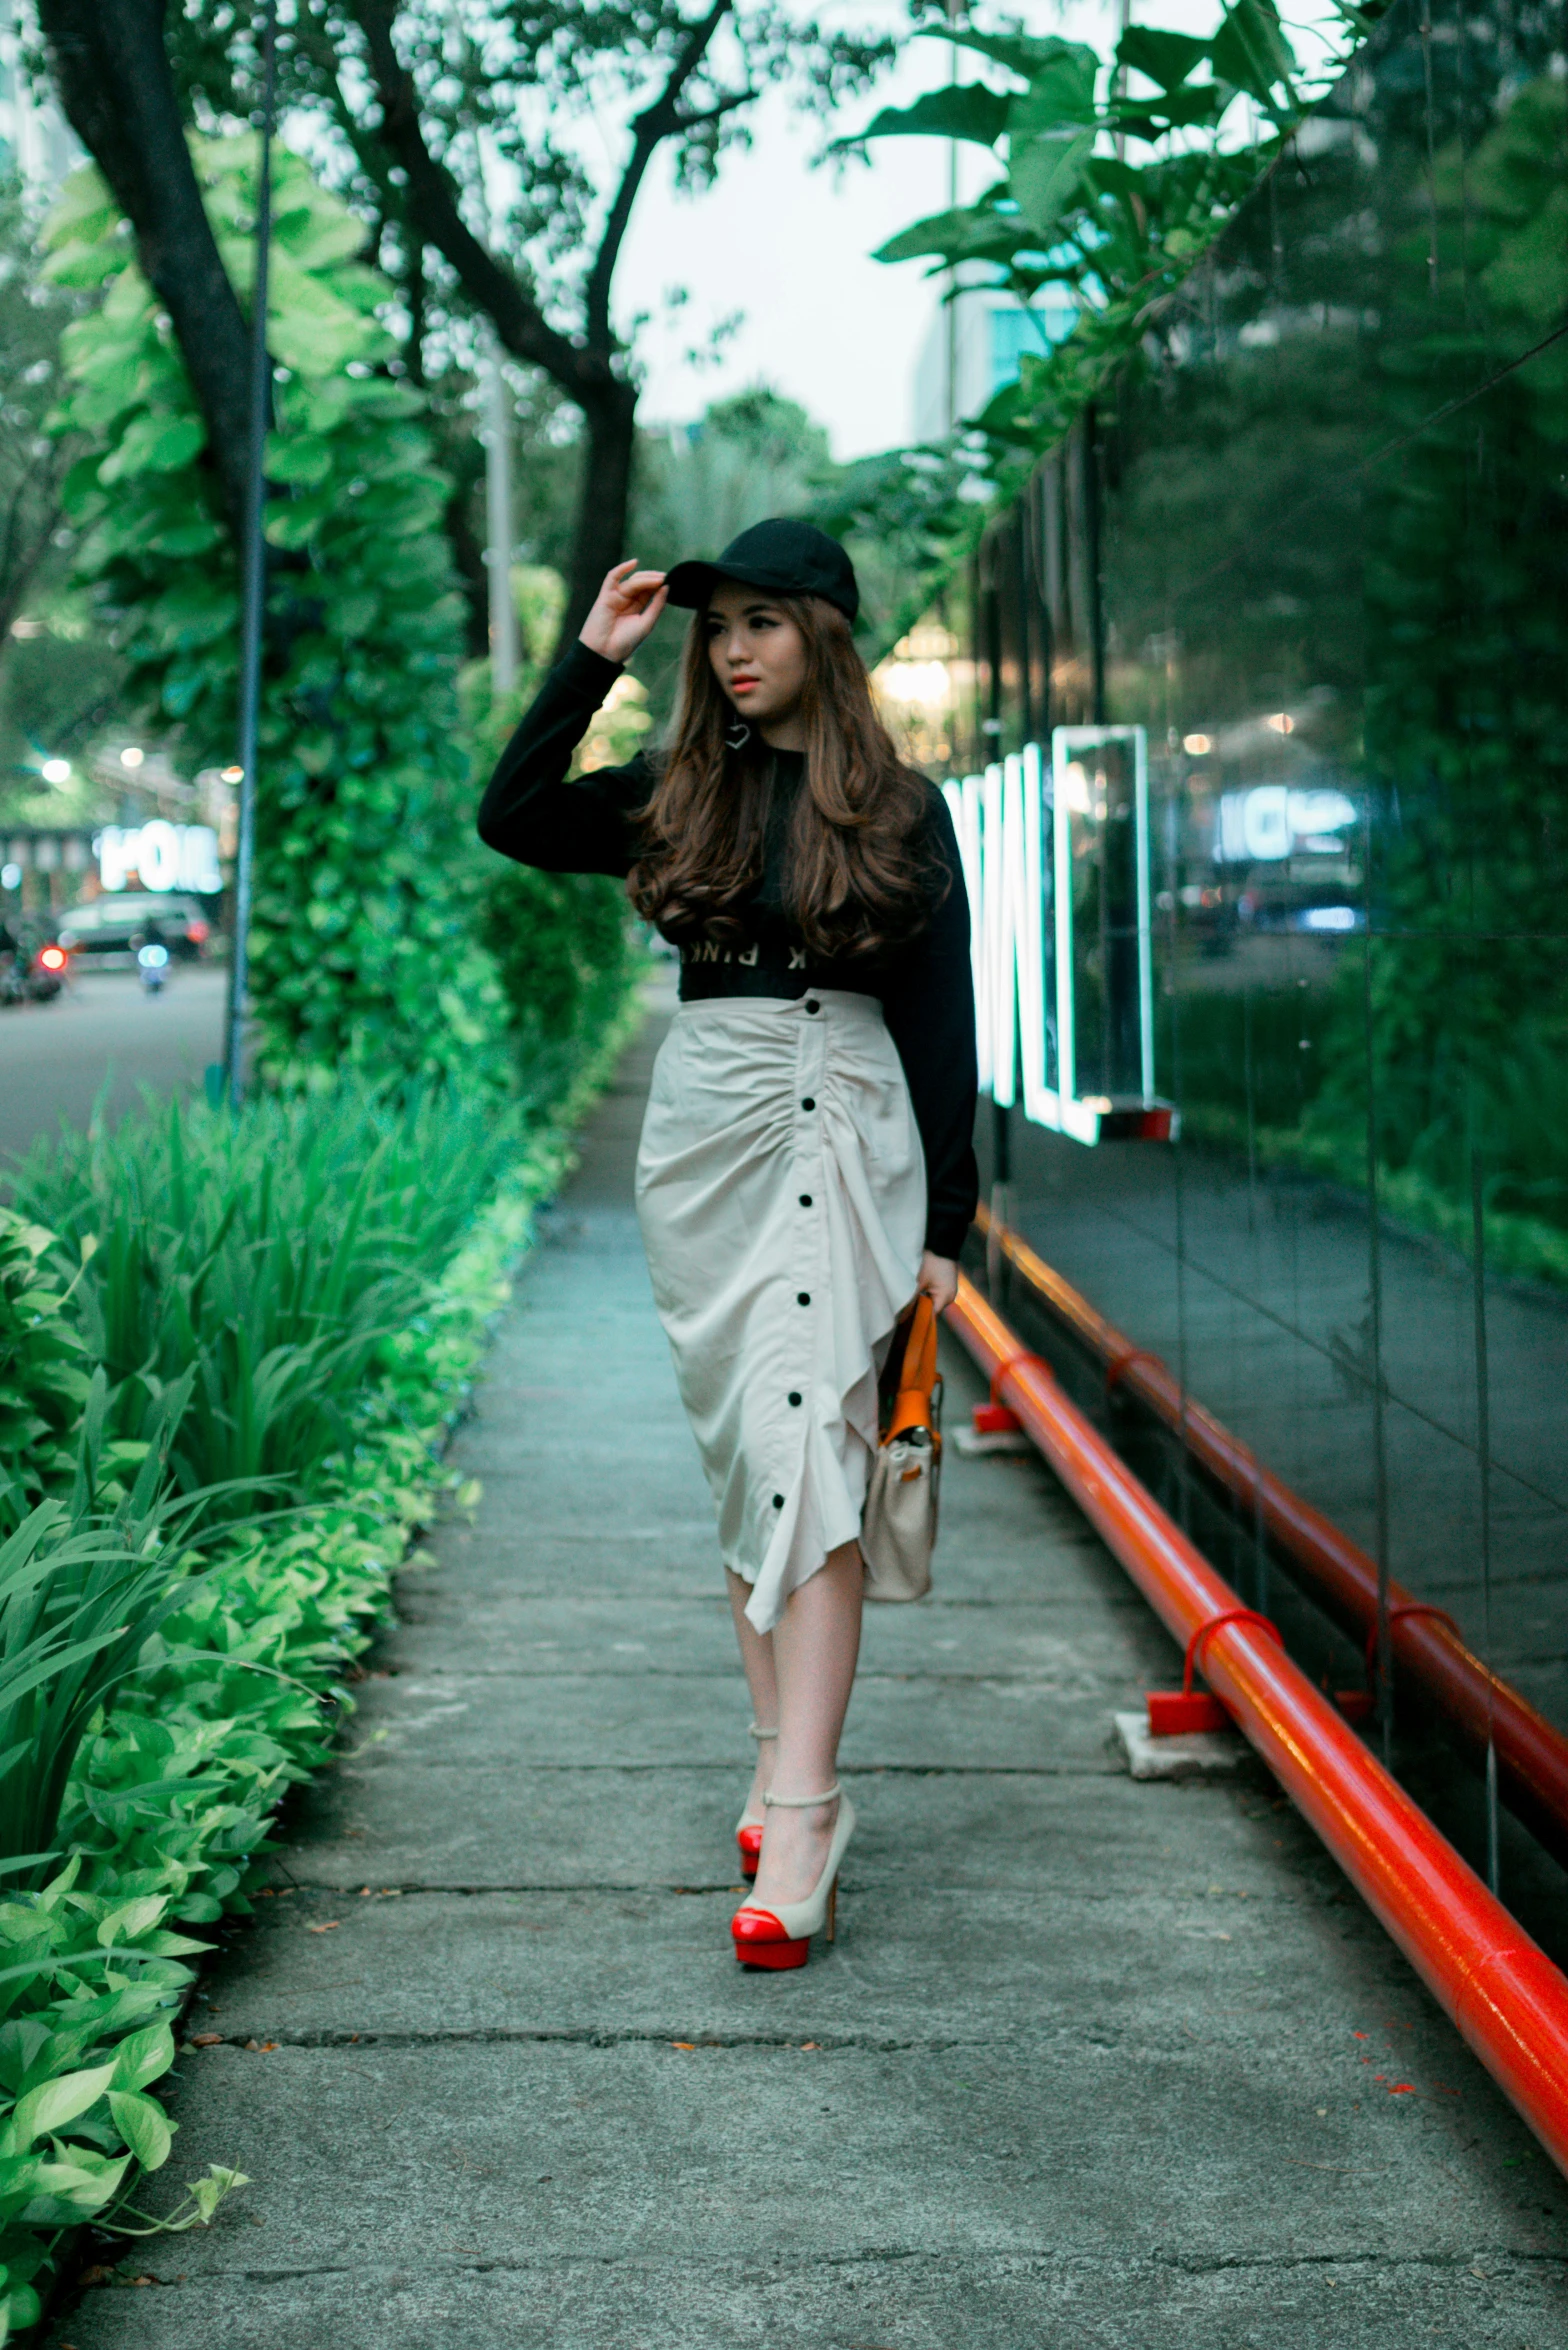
{"x":782,"y":1937}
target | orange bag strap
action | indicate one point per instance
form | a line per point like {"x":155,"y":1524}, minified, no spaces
{"x":917,"y":1374}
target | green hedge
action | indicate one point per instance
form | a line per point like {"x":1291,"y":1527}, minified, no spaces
{"x":363,"y":952}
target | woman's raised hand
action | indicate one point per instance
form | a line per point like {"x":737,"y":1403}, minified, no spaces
{"x":624,"y":611}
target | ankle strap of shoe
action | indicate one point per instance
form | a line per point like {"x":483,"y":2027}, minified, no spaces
{"x":756,"y":1733}
{"x":799,"y":1802}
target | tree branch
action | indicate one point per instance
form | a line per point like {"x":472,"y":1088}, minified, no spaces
{"x":112,"y":73}
{"x":655,"y":124}
{"x":435,"y":215}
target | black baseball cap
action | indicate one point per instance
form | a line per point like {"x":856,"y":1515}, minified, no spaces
{"x":790,"y":558}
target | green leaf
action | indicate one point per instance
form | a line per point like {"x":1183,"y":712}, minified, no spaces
{"x":50,"y":2107}
{"x":977,"y":232}
{"x":1061,"y":92}
{"x":1165,"y":59}
{"x":133,"y":1919}
{"x":154,"y":444}
{"x":143,"y":2056}
{"x":209,"y":2192}
{"x":143,"y":2124}
{"x":1154,"y":118}
{"x":1047,"y":176}
{"x":1026,"y":54}
{"x":300,"y":457}
{"x":964,"y":110}
{"x":74,"y":2190}
{"x":1250,"y":52}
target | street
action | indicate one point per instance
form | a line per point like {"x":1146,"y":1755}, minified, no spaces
{"x":55,"y":1059}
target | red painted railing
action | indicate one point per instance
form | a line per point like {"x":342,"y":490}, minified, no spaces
{"x":1501,"y":1990}
{"x":1426,"y":1644}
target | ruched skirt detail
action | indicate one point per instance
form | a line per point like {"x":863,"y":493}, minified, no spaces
{"x":782,"y":1196}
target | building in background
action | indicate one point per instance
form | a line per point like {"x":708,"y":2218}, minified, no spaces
{"x":973,"y":350}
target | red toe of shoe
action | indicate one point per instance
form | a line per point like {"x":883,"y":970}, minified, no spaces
{"x":760,"y":1940}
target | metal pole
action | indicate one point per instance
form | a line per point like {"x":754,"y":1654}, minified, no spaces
{"x":253,"y":574}
{"x":498,"y":522}
{"x":953,"y":11}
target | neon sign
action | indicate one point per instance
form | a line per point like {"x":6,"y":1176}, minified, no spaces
{"x":1056,"y":865}
{"x":162,"y":856}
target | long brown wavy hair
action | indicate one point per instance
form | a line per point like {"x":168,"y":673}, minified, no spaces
{"x":859,"y":875}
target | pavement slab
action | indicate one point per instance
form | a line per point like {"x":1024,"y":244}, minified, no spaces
{"x":1095,"y":2063}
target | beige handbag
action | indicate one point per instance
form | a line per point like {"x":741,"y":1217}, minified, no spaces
{"x":898,"y":1524}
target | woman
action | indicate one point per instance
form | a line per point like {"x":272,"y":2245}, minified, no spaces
{"x":806,"y":1163}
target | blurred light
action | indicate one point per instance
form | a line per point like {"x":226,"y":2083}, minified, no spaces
{"x":153,"y":958}
{"x":158,"y":855}
{"x":132,"y":756}
{"x":56,"y":771}
{"x":1077,"y":789}
{"x":1317,"y":816}
{"x":53,"y":958}
{"x":166,"y":856}
{"x":1330,"y":918}
{"x":10,"y":876}
{"x":233,"y":774}
{"x":1271,"y":822}
{"x":1196,"y":744}
{"x":27,"y":628}
{"x":198,"y":932}
{"x":1282,"y":722}
{"x":915,"y":682}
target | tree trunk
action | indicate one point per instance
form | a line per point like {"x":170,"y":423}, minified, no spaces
{"x":603,"y":499}
{"x":112,"y":74}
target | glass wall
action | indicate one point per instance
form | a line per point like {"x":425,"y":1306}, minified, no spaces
{"x":1318,"y":548}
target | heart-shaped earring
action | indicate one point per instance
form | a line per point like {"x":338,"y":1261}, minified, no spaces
{"x":738,"y":735}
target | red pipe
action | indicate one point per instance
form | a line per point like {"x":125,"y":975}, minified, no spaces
{"x":1503,"y":1993}
{"x":1532,"y":1757}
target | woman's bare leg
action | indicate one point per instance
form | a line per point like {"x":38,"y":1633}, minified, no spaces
{"x":756,"y":1655}
{"x":816,"y":1644}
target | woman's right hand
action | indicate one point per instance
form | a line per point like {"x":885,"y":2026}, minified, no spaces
{"x":624,"y":611}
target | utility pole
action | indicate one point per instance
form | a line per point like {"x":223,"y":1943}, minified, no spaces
{"x":953,"y":7}
{"x":253,"y":571}
{"x":498,"y":520}
{"x":495,"y":411}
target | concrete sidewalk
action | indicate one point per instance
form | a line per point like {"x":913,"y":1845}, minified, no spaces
{"x":1093,"y":2063}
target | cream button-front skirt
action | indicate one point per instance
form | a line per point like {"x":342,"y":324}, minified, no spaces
{"x":782,"y":1195}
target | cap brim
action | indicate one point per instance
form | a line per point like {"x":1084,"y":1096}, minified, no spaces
{"x":691,"y":584}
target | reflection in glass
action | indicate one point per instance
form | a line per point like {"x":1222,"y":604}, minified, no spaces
{"x":1312,"y":544}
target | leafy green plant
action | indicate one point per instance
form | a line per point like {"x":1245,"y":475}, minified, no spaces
{"x":83,"y":1586}
{"x":84,"y":1976}
{"x":269,"y":1261}
{"x":563,"y":945}
{"x":363,"y":953}
{"x":43,"y":1368}
{"x":1074,"y":210}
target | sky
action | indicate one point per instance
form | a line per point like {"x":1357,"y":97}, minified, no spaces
{"x":791,"y":248}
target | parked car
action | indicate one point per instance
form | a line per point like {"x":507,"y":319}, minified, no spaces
{"x":109,"y":933}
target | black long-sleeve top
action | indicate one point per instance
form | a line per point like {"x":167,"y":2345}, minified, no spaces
{"x":531,"y":812}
